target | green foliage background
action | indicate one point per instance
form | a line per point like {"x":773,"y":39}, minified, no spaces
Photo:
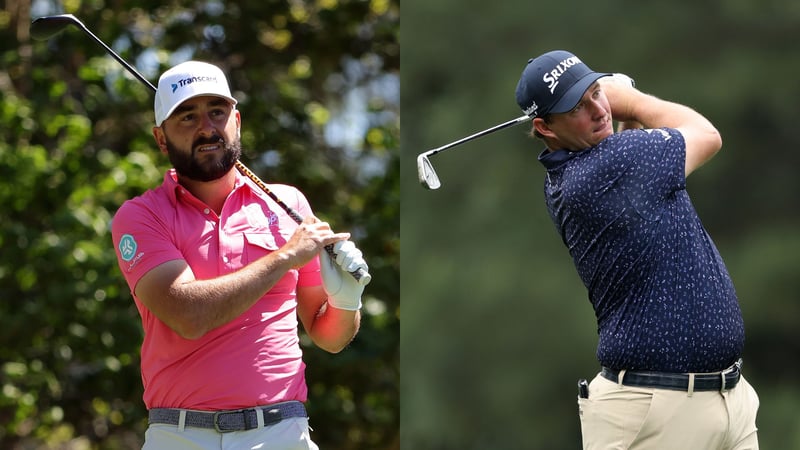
{"x":497,"y":327}
{"x":76,"y":143}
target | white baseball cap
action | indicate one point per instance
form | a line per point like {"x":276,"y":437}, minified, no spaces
{"x":187,"y":80}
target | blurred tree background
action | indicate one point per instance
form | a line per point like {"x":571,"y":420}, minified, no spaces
{"x":497,"y":326}
{"x":318,"y":84}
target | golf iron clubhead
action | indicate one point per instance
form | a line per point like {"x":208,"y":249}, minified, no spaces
{"x":427,"y":175}
{"x":43,"y":28}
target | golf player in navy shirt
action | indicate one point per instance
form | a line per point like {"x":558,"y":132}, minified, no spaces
{"x":670,"y":328}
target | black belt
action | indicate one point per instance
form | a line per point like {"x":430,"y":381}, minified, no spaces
{"x":226,"y":421}
{"x":719,"y":381}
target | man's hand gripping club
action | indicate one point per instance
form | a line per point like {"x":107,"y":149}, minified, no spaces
{"x":344,"y":292}
{"x":310,"y":238}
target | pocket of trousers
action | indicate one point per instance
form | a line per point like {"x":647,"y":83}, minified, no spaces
{"x":613,"y":416}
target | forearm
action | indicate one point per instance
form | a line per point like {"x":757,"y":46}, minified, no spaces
{"x":192,"y":307}
{"x":195,"y":307}
{"x":631,"y":105}
{"x":333,"y":328}
{"x":702,"y":140}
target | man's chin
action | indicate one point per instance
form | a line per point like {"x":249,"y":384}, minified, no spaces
{"x":205,"y":166}
{"x":207,"y":175}
{"x":604,"y":132}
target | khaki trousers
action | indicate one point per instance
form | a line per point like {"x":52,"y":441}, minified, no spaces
{"x":623,"y":417}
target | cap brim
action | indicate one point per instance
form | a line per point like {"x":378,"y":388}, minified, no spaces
{"x":175,"y":106}
{"x":571,"y":98}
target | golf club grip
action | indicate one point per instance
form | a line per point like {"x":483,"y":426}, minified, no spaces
{"x":361,"y":276}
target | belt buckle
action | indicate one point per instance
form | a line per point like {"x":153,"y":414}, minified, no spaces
{"x":735,"y":368}
{"x":218,"y":414}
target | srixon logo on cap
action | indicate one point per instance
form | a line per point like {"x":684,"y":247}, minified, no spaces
{"x":551,"y":78}
{"x":191,"y":80}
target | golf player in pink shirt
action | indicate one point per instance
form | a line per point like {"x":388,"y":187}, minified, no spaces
{"x":220,"y":274}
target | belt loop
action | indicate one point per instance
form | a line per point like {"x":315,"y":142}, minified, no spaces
{"x":182,"y":420}
{"x":620,"y":377}
{"x":260,"y":417}
{"x":691,"y":384}
{"x":722,"y":377}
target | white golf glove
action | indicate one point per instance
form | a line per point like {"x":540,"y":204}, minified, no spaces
{"x":344,"y":292}
{"x":622,"y":78}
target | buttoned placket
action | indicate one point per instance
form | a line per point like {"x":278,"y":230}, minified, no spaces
{"x":223,"y":249}
{"x":229,"y":247}
{"x":223,"y":246}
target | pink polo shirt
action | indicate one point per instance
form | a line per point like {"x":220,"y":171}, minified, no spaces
{"x":255,"y":359}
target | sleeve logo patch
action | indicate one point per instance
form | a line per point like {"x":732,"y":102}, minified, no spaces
{"x":659,"y":130}
{"x":127,"y":247}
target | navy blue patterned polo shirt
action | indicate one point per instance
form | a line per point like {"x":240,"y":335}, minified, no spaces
{"x":662,"y":296}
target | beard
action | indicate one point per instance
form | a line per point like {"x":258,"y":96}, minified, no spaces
{"x":188,"y":166}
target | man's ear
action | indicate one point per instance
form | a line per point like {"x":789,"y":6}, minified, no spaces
{"x":238,"y":124}
{"x":161,"y":140}
{"x":542,"y":127}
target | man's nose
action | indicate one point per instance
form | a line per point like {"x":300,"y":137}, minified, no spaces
{"x":597,"y":109}
{"x":207,"y":126}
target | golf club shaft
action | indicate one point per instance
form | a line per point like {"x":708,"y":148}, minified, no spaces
{"x":478,"y":134}
{"x":427,"y":174}
{"x":60,"y":21}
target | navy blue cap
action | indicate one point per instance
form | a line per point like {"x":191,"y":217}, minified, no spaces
{"x":554,"y":83}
